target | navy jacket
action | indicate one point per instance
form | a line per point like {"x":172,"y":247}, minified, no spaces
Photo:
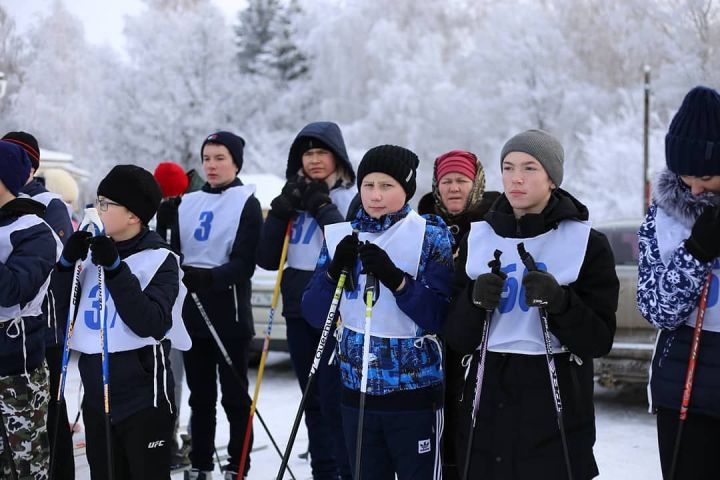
{"x":148,"y":313}
{"x":21,"y":276}
{"x":294,"y":281}
{"x":227,"y":301}
{"x":57,"y":216}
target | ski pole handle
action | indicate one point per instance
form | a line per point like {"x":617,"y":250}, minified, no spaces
{"x":91,"y":221}
{"x":526,"y":258}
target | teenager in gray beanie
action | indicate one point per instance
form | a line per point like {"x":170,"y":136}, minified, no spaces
{"x":577,"y":288}
{"x":544,"y":147}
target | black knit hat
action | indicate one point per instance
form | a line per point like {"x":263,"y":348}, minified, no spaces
{"x":234,"y":144}
{"x":692,"y":144}
{"x":28,"y":143}
{"x":302,"y":145}
{"x":398,"y":162}
{"x":134,"y":188}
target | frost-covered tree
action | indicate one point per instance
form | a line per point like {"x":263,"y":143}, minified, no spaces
{"x":181,"y":84}
{"x":265,"y":37}
{"x":253,"y":35}
{"x":62,"y":97}
{"x":288,"y":60}
{"x":13,"y":54}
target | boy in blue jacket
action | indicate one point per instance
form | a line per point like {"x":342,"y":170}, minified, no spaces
{"x":28,"y":252}
{"x":411,"y":256}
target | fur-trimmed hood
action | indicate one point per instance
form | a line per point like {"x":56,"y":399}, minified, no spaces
{"x":675,"y":197}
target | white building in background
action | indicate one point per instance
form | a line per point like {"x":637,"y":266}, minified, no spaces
{"x":64,"y":161}
{"x":62,"y":176}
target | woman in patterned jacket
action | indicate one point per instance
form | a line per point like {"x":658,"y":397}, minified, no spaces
{"x":679,"y":249}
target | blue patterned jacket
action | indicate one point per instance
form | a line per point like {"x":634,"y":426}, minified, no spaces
{"x":667,"y":295}
{"x":398,"y":364}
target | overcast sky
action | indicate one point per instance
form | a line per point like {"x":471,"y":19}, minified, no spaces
{"x":103,"y":19}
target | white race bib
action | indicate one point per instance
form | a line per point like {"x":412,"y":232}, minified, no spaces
{"x":306,"y":238}
{"x":670,"y":235}
{"x":209,"y":223}
{"x":403,"y":244}
{"x":515,"y":327}
{"x":34,"y":307}
{"x":86,"y":335}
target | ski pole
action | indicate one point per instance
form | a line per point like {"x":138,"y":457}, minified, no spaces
{"x":231,"y":366}
{"x":690,"y":374}
{"x":529,"y":262}
{"x":6,"y":448}
{"x":311,"y":376}
{"x":266,"y":347}
{"x":105,"y":356}
{"x":91,"y":222}
{"x":480,"y":375}
{"x":371,"y":287}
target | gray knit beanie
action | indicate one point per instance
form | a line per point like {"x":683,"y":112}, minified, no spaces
{"x":544,"y":147}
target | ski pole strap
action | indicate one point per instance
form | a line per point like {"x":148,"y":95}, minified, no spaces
{"x":526,"y":258}
{"x":495,"y":265}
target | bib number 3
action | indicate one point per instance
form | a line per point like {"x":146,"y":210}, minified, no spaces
{"x":202,"y":233}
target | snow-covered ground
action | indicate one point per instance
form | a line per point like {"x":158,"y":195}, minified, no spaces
{"x":626,"y":447}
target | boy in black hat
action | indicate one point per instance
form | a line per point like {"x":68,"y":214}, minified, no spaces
{"x":219,"y":231}
{"x":57,"y":215}
{"x":411,"y":257}
{"x":142,"y":309}
{"x":28,"y":252}
{"x":320,"y":186}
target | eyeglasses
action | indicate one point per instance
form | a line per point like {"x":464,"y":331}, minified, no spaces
{"x":103,"y":204}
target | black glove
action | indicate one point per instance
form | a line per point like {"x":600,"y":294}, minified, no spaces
{"x":76,"y":247}
{"x":345,"y":256}
{"x":104,"y":252}
{"x":286,"y":205}
{"x":282,"y":208}
{"x":542,"y":290}
{"x":167,"y":214}
{"x":487,"y":291}
{"x":197,"y":278}
{"x":704,"y":241}
{"x":316,"y":195}
{"x":293,"y":191}
{"x":375,"y":260}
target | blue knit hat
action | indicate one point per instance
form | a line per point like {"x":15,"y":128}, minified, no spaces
{"x":692,"y":144}
{"x":14,"y":166}
{"x":234,"y":144}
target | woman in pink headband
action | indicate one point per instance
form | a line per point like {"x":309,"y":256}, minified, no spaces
{"x":458,"y":196}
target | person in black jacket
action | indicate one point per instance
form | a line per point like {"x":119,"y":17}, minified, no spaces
{"x":142,"y":301}
{"x":320,"y":186}
{"x":516,"y":435}
{"x":458,"y":196}
{"x":219,"y":230}
{"x":28,"y":251}
{"x":57,"y":215}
